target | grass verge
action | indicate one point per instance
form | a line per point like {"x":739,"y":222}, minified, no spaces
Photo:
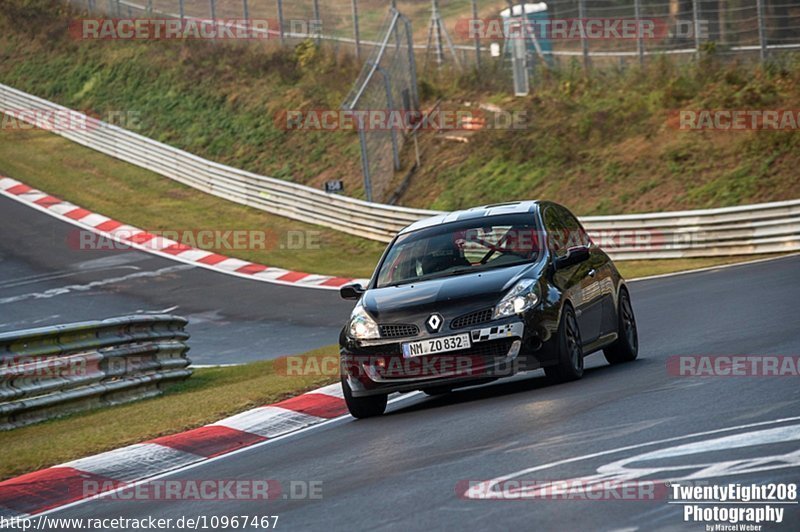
{"x":208,"y":396}
{"x":146,"y":200}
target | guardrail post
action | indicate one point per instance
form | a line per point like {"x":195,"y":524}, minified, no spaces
{"x":149,"y":7}
{"x":181,"y":9}
{"x":362,"y":138}
{"x":762,"y":33}
{"x":213,"y":8}
{"x":245,"y":10}
{"x":356,"y":33}
{"x":280,"y":21}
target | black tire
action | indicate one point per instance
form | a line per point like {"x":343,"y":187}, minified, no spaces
{"x":626,"y":348}
{"x":570,"y":351}
{"x":363,"y":407}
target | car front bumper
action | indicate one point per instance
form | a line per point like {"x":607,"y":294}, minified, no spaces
{"x":379,"y":367}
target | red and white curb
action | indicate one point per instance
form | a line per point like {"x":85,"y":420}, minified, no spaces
{"x":57,"y":486}
{"x":164,"y":247}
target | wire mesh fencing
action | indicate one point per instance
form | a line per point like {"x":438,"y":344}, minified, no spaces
{"x":464,"y":31}
{"x":386,"y":89}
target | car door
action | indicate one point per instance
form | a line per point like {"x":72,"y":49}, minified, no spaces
{"x":590,"y":275}
{"x":573,"y":280}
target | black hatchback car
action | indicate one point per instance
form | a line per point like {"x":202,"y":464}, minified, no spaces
{"x":475,"y":295}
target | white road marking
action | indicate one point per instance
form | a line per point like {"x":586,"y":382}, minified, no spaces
{"x":781,"y":434}
{"x":54,"y":292}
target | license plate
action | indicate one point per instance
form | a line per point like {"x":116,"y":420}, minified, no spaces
{"x":436,"y":345}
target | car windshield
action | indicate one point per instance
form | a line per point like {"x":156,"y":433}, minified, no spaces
{"x":461,"y":247}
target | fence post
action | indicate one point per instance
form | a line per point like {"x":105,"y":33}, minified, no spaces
{"x":356,"y":33}
{"x":213,"y":10}
{"x":584,"y":40}
{"x":390,"y":108}
{"x":637,"y":8}
{"x":696,"y":29}
{"x":280,"y":20}
{"x":762,"y":33}
{"x":149,"y":7}
{"x":245,"y":10}
{"x":362,"y":137}
{"x":477,"y":35}
{"x":317,"y":21}
{"x":181,"y":9}
{"x":412,"y":63}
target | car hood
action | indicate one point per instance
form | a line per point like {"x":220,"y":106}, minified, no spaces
{"x":450,"y":296}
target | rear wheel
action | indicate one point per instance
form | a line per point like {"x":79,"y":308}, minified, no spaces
{"x":570,"y":351}
{"x":626,"y":348}
{"x":363,"y":407}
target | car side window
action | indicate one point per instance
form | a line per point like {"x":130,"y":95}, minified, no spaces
{"x":577,"y":234}
{"x":556,"y":231}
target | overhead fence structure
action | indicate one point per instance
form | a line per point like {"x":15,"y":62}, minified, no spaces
{"x":754,"y":29}
{"x":386,"y":89}
{"x":764,"y":228}
{"x":52,"y":371}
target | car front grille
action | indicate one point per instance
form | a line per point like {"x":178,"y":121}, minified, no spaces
{"x":473,"y":318}
{"x":399,"y":330}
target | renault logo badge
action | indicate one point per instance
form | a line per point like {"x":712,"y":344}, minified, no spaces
{"x":434,"y":322}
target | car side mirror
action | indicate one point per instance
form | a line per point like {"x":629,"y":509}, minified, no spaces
{"x":351,"y":291}
{"x":575,"y":255}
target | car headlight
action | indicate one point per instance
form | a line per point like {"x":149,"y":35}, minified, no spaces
{"x":519,"y":299}
{"x":362,"y":326}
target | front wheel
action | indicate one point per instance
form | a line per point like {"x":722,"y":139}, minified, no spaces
{"x":363,"y":407}
{"x":626,"y":348}
{"x":570,"y":350}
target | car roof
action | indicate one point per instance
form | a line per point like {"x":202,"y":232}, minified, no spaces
{"x":495,"y":209}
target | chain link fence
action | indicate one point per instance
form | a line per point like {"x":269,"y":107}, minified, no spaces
{"x":387,"y":84}
{"x":754,"y":27}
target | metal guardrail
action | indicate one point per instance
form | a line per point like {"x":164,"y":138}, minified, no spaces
{"x":763,"y":228}
{"x":52,"y":371}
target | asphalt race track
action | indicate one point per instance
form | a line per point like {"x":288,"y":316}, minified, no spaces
{"x":406,"y":470}
{"x":44,"y":281}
